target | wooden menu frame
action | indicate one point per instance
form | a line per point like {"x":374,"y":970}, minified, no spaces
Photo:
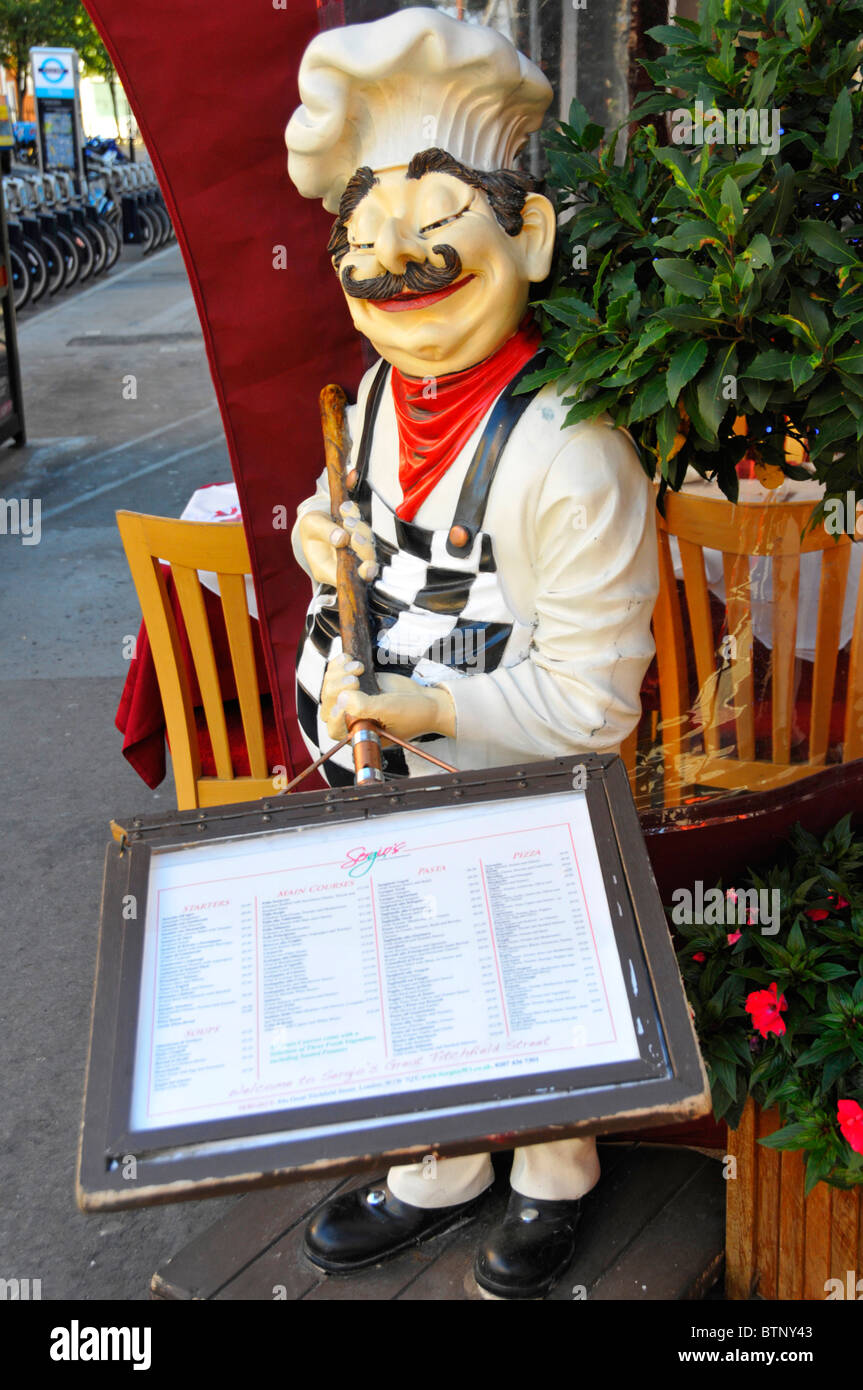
{"x":119,"y":1167}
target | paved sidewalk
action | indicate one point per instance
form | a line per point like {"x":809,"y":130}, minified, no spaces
{"x":66,"y":605}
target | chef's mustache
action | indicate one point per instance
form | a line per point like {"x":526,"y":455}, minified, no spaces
{"x":420,"y":277}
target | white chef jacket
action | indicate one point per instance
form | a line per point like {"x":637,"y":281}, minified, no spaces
{"x":570,"y":512}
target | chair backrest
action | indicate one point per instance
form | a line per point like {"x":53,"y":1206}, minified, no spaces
{"x":187,"y":547}
{"x":740,"y":531}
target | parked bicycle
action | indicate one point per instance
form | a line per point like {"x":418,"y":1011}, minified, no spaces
{"x":59,"y":236}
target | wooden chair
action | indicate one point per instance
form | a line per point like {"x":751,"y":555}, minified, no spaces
{"x":726,"y":686}
{"x":189,"y":546}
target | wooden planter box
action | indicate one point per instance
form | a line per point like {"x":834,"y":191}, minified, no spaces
{"x":778,"y":1243}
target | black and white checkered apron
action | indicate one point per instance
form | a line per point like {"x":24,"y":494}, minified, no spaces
{"x":437,"y":608}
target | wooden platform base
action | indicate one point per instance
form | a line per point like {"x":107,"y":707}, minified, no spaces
{"x":653,"y":1228}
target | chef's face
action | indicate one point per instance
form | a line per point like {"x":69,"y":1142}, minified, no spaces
{"x":430,"y":275}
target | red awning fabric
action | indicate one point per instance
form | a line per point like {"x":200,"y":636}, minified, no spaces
{"x":212,"y":87}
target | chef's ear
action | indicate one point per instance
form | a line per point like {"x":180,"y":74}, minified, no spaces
{"x":537,"y":236}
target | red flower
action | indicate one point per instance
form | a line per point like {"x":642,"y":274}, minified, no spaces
{"x":850,"y":1117}
{"x":765,"y":1006}
{"x":838,"y":901}
{"x":733,"y":936}
{"x":817,"y":914}
{"x":699,"y":956}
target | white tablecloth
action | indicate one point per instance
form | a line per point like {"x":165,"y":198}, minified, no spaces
{"x":218,"y":502}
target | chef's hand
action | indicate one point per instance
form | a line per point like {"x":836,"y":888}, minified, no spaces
{"x":321,"y":540}
{"x":404,"y":708}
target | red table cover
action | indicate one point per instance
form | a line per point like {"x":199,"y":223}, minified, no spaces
{"x":141,"y":718}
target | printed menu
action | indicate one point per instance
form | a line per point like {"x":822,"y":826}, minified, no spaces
{"x":376,"y":957}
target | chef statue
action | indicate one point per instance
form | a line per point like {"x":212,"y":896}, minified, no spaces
{"x":510,"y":562}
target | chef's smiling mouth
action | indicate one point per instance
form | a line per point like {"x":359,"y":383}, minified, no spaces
{"x":409,"y":299}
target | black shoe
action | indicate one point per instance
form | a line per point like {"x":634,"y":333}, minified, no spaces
{"x":368,"y":1225}
{"x":525,"y":1254}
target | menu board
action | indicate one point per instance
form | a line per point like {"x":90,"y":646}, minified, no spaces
{"x":337,"y":980}
{"x":308,"y":967}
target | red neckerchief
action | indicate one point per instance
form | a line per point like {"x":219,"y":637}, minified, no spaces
{"x":434,"y":428}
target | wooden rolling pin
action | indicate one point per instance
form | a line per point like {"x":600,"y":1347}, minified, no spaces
{"x":350,"y":588}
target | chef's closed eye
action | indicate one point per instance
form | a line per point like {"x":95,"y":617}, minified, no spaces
{"x":363,"y":231}
{"x":442,"y":204}
{"x":443,"y":221}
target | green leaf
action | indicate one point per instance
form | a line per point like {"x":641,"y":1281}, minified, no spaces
{"x":702,"y":426}
{"x":626,"y":209}
{"x":759,"y":251}
{"x":687,"y":235}
{"x":792,"y":1136}
{"x":591,"y":136}
{"x":679,"y":165}
{"x":649,"y":104}
{"x":818,"y":1167}
{"x":685,"y":362}
{"x":687,"y":319}
{"x":588,"y":410}
{"x":684,"y":276}
{"x":851,"y":361}
{"x":670,"y":35}
{"x":771,"y":365}
{"x":578,"y":117}
{"x":726,"y":1073}
{"x":836,"y":1067}
{"x":712,"y":403}
{"x":758,"y":394}
{"x":827,"y":970}
{"x":632,"y":370}
{"x":540,"y":378}
{"x":826,"y":242}
{"x":667,"y":425}
{"x":655,"y":330}
{"x":821,"y":1050}
{"x":599,"y":364}
{"x":649,"y":401}
{"x":806,"y":309}
{"x":730,"y":199}
{"x":802,"y":369}
{"x":781,"y":201}
{"x":796,"y":327}
{"x":839,"y":128}
{"x":837,"y":431}
{"x":571,"y":311}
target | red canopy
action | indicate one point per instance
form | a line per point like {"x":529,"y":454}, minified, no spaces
{"x":212,"y":87}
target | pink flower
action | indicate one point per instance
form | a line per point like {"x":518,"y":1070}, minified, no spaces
{"x":731,"y":894}
{"x":699,"y":956}
{"x":817,"y":914}
{"x":838,"y":901}
{"x":765,"y":1006}
{"x":850,"y":1116}
{"x":733,"y":936}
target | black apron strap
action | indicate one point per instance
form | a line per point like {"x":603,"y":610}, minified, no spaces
{"x":471,"y":506}
{"x":357,"y":485}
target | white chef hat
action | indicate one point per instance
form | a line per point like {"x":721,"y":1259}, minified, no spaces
{"x":375,"y":94}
